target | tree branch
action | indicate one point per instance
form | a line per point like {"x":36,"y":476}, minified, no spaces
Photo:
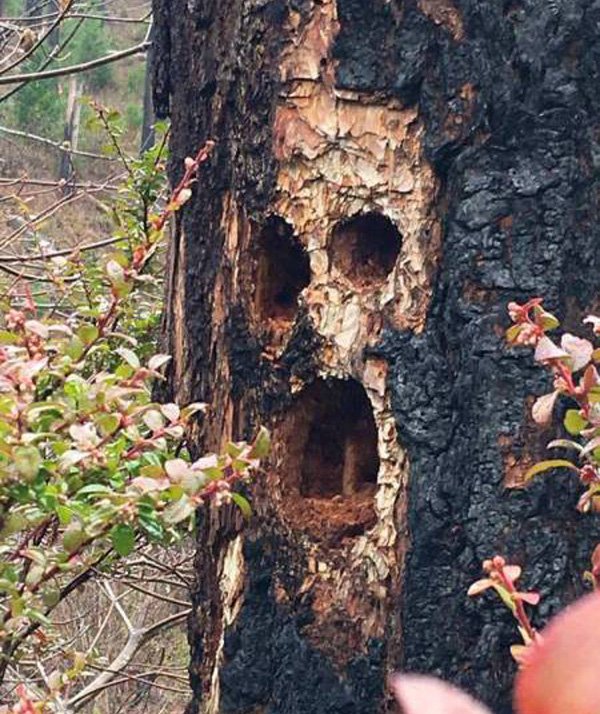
{"x":136,"y":639}
{"x":76,"y":68}
{"x":40,"y":40}
{"x":54,"y":144}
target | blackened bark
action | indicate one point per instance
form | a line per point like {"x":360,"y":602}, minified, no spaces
{"x":506,"y":105}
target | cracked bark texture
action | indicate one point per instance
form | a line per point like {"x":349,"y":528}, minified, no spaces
{"x":473,"y":125}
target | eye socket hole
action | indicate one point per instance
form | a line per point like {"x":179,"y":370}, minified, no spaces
{"x":283,"y":271}
{"x":365,"y":248}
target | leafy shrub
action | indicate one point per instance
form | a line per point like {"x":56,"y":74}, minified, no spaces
{"x":90,"y":465}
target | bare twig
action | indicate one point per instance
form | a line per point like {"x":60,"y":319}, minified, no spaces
{"x":76,"y":68}
{"x":136,"y":639}
{"x":55,"y":144}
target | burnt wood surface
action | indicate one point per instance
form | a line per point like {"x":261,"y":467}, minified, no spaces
{"x":508,"y":93}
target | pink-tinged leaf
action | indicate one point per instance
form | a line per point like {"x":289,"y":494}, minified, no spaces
{"x":512,"y":572}
{"x":584,"y":503}
{"x":146,"y":485}
{"x":176,"y":469}
{"x":579,"y":350}
{"x":590,"y":378}
{"x":183,"y":196}
{"x":547,"y":350}
{"x":543,"y":407}
{"x":529,"y":598}
{"x":170,"y":412}
{"x":29,"y":369}
{"x":419,"y":694}
{"x":561,"y":675}
{"x":480,"y":586}
{"x":85,"y":435}
{"x":158,"y":361}
{"x":206,"y":462}
{"x":37,"y":328}
{"x":153,"y":420}
{"x":594,"y":322}
{"x":72,"y":457}
{"x":596,"y":560}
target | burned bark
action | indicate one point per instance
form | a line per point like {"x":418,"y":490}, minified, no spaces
{"x":468,"y":131}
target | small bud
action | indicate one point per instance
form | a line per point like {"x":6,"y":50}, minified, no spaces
{"x":515,"y":311}
{"x":498,"y":562}
{"x":588,"y":475}
{"x":189,"y":163}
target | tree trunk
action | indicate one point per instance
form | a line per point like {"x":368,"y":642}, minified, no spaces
{"x":70,"y":132}
{"x":147,"y":133}
{"x":387,"y":176}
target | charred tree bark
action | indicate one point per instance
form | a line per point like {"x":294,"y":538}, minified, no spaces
{"x":387,"y":176}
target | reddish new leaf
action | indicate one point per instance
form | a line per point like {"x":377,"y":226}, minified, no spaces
{"x":579,"y":350}
{"x":547,"y":350}
{"x":419,"y":694}
{"x":543,"y":407}
{"x":562,"y":673}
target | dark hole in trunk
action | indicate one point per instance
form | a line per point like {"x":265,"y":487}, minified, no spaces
{"x":340,"y":454}
{"x":329,"y":460}
{"x":283,"y":271}
{"x":365,"y":248}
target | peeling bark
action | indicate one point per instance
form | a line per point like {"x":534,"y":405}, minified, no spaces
{"x":472,"y":128}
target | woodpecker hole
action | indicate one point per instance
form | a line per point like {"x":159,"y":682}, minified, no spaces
{"x":365,"y":248}
{"x":330,"y":460}
{"x":283,"y":271}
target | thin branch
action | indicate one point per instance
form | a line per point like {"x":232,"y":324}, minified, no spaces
{"x":58,"y":183}
{"x":55,"y":53}
{"x":61,"y":253}
{"x":55,"y":144}
{"x":40,"y":40}
{"x":136,"y":639}
{"x":153,"y":594}
{"x":76,"y":68}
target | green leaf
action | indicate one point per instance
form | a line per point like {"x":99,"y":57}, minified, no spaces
{"x":122,"y":537}
{"x":88,"y":333}
{"x":108,"y":423}
{"x":129,"y":356}
{"x":65,"y":515}
{"x":574,"y":422}
{"x":547,"y":465}
{"x":93,"y":488}
{"x":75,"y":348}
{"x":51,"y":597}
{"x":242,"y":503}
{"x":8,"y":338}
{"x":506,"y":597}
{"x":15,"y":521}
{"x":73,"y":537}
{"x":512,"y":333}
{"x":75,"y":386}
{"x":262,"y":444}
{"x":27,"y":459}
